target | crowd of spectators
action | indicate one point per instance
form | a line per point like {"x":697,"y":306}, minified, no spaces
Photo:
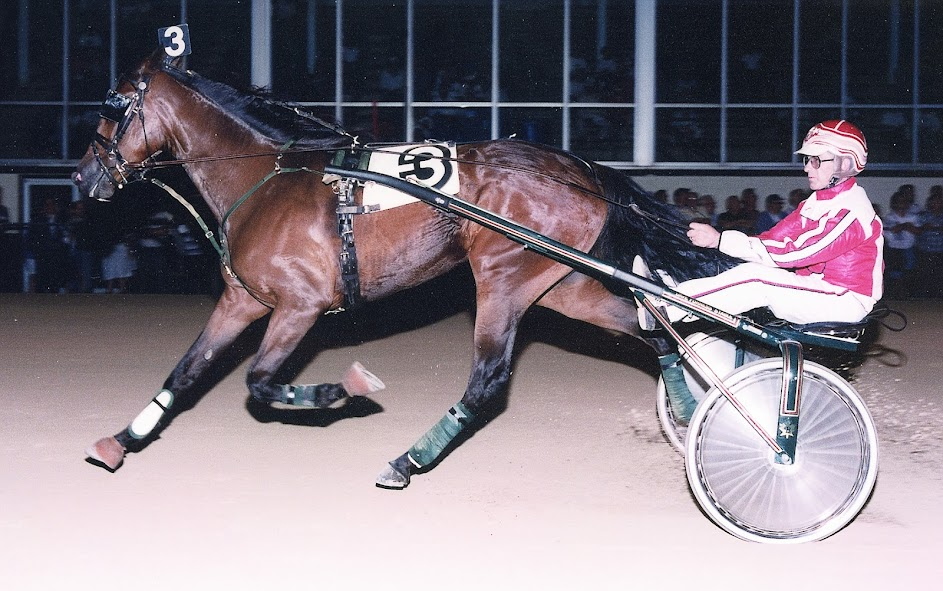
{"x":740,"y":212}
{"x":913,"y":244}
{"x":913,"y":233}
{"x":64,"y":250}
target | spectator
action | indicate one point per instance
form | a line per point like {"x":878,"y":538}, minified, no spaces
{"x":118,"y":266}
{"x":155,"y":255}
{"x":733,"y":218}
{"x":771,"y":215}
{"x":685,"y":203}
{"x":749,"y":198}
{"x":708,"y":207}
{"x":84,"y":261}
{"x":10,"y":253}
{"x":910,"y":195}
{"x":929,"y":266}
{"x":679,"y":198}
{"x":900,"y":238}
{"x":46,"y":240}
{"x":4,"y":213}
{"x":193,"y":271}
{"x":796,"y":196}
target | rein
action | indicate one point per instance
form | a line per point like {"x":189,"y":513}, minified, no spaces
{"x":672,"y":228}
{"x":140,"y":169}
{"x":222,"y":246}
{"x":658,"y":221}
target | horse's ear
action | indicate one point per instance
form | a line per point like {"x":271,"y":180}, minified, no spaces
{"x":159,"y":60}
{"x":172,"y":62}
{"x":155,"y":60}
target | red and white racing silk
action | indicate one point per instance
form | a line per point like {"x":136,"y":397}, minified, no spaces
{"x":834,"y":234}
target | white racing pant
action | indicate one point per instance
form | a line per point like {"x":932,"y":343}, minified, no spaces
{"x":800,"y":299}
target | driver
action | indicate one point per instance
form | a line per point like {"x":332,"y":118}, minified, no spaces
{"x":821,"y":263}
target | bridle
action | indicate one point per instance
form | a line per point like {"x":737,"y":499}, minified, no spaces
{"x":122,"y":110}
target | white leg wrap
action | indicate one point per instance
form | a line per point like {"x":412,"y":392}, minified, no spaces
{"x":145,"y":422}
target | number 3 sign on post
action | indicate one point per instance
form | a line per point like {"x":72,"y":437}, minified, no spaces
{"x":175,"y":40}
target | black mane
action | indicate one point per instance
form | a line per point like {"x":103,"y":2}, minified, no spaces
{"x":276,"y":120}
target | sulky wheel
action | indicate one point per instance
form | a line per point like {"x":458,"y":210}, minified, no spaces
{"x":733,"y":474}
{"x":719,"y":349}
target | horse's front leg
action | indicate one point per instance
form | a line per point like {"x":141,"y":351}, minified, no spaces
{"x":287,"y":327}
{"x":496,"y":326}
{"x":234,"y":311}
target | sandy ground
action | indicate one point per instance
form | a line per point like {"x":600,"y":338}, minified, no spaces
{"x":571,"y":487}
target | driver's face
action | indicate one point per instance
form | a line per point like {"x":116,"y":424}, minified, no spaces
{"x":820,"y":177}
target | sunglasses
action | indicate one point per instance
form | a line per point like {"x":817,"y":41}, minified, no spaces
{"x":815,"y":161}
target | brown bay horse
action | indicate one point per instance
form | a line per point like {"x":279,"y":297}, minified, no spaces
{"x":258,"y":164}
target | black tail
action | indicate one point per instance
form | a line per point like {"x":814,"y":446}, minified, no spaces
{"x":640,"y":225}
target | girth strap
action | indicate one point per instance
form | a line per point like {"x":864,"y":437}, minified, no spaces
{"x":350,"y":275}
{"x":346,"y":210}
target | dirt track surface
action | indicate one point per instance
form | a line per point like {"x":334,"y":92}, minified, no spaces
{"x":572,"y":486}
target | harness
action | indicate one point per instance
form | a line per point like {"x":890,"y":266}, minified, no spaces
{"x":346,"y":210}
{"x":343,"y":188}
{"x":122,"y":110}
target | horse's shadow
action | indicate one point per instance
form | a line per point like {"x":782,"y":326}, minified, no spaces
{"x":355,"y":407}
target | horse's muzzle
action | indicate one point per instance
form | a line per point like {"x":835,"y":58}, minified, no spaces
{"x":96,"y":186}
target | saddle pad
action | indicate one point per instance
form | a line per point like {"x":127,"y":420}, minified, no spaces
{"x":432,"y":164}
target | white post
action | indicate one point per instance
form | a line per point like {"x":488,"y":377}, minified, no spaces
{"x":262,"y":43}
{"x":644,"y":134}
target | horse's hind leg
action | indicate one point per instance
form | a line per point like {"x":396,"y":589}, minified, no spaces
{"x":496,"y":326}
{"x":585,"y":299}
{"x":234,"y":311}
{"x":582,"y":298}
{"x":576,"y":296}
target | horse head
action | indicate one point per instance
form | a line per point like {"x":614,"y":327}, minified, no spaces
{"x":129,"y":135}
{"x":160,"y":107}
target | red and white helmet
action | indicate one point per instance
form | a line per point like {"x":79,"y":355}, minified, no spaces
{"x":838,"y":137}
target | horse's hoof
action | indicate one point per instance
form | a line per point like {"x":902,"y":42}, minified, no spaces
{"x":107,"y":451}
{"x":392,"y":478}
{"x":360,"y":382}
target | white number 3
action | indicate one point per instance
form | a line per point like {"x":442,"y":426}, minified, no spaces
{"x":176,"y":40}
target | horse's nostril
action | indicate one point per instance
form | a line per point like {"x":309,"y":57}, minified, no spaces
{"x":76,"y":177}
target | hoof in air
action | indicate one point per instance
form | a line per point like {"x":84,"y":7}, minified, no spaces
{"x":360,"y":382}
{"x":107,"y":451}
{"x":392,"y":478}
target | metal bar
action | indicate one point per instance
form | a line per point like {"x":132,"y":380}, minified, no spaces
{"x":260,"y":41}
{"x":339,"y":62}
{"x":565,"y":110}
{"x":495,"y":68}
{"x":64,"y":107}
{"x":787,"y":425}
{"x":532,"y":240}
{"x":559,"y":252}
{"x":711,"y":376}
{"x":643,"y":115}
{"x":410,"y":72}
{"x":587,"y":264}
